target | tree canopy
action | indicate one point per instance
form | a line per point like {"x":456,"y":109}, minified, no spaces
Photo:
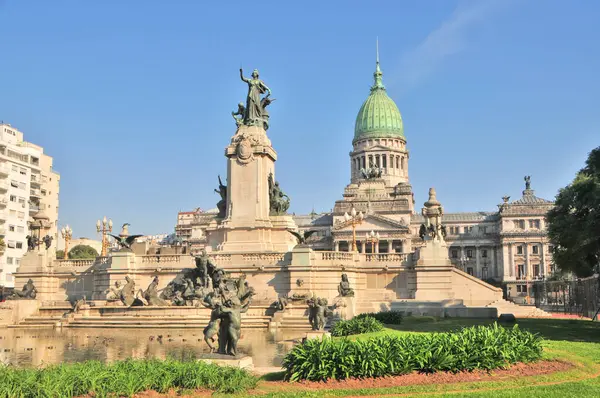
{"x":574,"y":222}
{"x":60,"y":254}
{"x":82,"y":252}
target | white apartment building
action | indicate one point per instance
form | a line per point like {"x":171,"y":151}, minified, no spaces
{"x":28,"y":185}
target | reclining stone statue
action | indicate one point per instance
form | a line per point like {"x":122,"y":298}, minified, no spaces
{"x":28,"y":292}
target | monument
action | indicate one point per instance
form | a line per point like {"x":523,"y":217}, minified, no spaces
{"x":253,"y":207}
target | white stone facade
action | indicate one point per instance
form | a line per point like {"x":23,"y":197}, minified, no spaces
{"x":28,"y":184}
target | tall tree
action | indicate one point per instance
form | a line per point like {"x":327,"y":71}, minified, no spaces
{"x":574,"y":222}
{"x":82,"y":252}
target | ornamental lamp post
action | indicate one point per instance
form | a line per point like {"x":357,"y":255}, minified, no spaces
{"x":354,"y":219}
{"x":463,"y":261}
{"x":104,"y":227}
{"x":372,"y":238}
{"x":67,"y":234}
{"x":40,"y":222}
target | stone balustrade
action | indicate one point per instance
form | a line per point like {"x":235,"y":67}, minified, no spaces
{"x":160,"y":259}
{"x":389,"y":258}
{"x":74,"y":264}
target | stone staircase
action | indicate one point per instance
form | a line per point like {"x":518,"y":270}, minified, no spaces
{"x":48,"y":315}
{"x":159,"y":322}
{"x":519,"y":311}
{"x":373,"y":301}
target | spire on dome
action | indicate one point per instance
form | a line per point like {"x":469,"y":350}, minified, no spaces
{"x":378,"y":75}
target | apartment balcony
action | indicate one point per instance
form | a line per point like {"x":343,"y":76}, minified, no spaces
{"x":3,"y":186}
{"x":33,"y":208}
{"x":35,"y":193}
{"x":3,"y":215}
{"x":2,"y":231}
{"x":4,"y":170}
{"x":35,"y":180}
{"x":3,"y":203}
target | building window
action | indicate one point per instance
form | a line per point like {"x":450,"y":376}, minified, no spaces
{"x":484,"y":273}
{"x":23,"y":171}
{"x":14,"y":167}
{"x":22,"y":185}
{"x":521,"y":288}
{"x":13,"y":198}
{"x":484,"y":230}
{"x":470,"y":253}
{"x":454,"y":253}
{"x":11,"y":228}
{"x":21,"y":215}
{"x":20,"y":229}
{"x":521,"y":271}
{"x":520,"y":224}
{"x":536,"y":271}
{"x":484,"y":253}
{"x":19,"y":245}
{"x":519,"y":249}
{"x":11,"y":244}
{"x":535,"y":249}
{"x":14,"y":184}
{"x":470,"y":271}
{"x":9,"y":260}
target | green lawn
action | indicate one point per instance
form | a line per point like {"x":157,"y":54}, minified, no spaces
{"x":575,"y":341}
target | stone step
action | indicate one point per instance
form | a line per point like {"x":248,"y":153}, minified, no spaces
{"x":31,"y":326}
{"x":153,"y":326}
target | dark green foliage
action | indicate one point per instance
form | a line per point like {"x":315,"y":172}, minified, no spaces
{"x":478,"y":347}
{"x":356,"y":325}
{"x":124,"y":378}
{"x":386,"y":317}
{"x":60,"y":254}
{"x":83,"y":252}
{"x":574,"y":222}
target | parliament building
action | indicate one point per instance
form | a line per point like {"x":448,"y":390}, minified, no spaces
{"x":508,"y":246}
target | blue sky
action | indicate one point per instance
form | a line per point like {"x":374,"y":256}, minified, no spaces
{"x":132,"y":98}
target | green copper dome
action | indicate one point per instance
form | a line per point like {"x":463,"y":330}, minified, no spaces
{"x":379,"y":117}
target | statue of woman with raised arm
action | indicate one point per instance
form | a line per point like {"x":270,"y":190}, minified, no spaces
{"x":254,"y":109}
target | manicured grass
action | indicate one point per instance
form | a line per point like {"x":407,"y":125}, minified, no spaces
{"x":574,"y":341}
{"x":124,"y":378}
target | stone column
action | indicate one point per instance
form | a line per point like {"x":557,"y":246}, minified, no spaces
{"x":363,"y":246}
{"x":336,"y":246}
{"x":478,"y":273}
{"x":390,"y":245}
{"x":542,"y":259}
{"x":511,"y":261}
{"x":527,"y":263}
{"x":376,"y":247}
{"x":494,"y":263}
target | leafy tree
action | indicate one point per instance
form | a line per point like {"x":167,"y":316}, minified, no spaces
{"x":60,"y":254}
{"x":82,"y":252}
{"x":574,"y":223}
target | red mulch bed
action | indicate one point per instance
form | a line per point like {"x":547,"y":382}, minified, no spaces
{"x":515,"y":371}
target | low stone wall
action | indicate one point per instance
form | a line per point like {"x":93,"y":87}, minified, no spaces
{"x":14,"y":311}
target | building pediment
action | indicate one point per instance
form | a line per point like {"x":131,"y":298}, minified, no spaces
{"x":372,"y":222}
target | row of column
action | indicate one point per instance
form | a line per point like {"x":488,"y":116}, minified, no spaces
{"x":391,"y":246}
{"x":521,"y":266}
{"x":384,"y":161}
{"x":488,"y":270}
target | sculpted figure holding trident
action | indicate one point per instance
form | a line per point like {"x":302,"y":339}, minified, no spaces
{"x":255,"y":112}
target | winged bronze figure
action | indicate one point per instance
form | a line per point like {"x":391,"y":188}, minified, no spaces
{"x":125,"y":242}
{"x":302,"y":238}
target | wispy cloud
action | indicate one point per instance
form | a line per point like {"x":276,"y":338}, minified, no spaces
{"x":450,"y":38}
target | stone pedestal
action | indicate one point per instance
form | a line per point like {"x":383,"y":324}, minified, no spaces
{"x":433,"y":272}
{"x":345,"y":308}
{"x":239,"y":361}
{"x":316,"y":334}
{"x":248,"y":226}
